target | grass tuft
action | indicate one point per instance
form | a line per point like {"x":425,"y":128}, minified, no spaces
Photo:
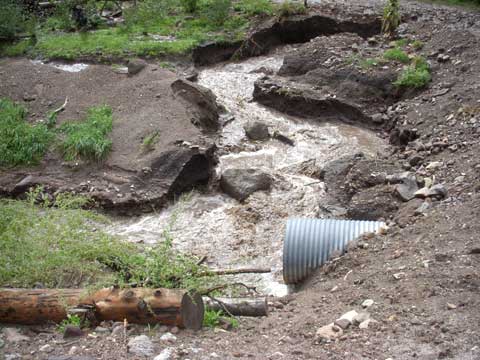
{"x":88,"y":139}
{"x":21,"y":143}
{"x":397,"y":55}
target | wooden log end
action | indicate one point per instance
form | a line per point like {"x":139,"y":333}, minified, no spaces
{"x":192,"y":311}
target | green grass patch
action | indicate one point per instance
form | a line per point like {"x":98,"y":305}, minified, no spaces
{"x":21,"y":143}
{"x":255,"y":7}
{"x":59,"y":244}
{"x":16,"y":49}
{"x":417,"y":45}
{"x":289,"y":8}
{"x":73,"y":320}
{"x":396,"y":54}
{"x":88,"y":139}
{"x":214,"y":318}
{"x":417,"y":75}
{"x":401,"y":42}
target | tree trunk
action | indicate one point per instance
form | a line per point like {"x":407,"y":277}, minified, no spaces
{"x":139,"y":305}
{"x":238,"y":306}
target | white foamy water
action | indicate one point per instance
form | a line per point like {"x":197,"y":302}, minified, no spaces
{"x":73,"y":68}
{"x":231,"y":234}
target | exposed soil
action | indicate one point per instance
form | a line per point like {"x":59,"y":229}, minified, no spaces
{"x":422,"y":275}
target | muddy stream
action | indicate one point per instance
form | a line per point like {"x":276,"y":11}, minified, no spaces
{"x":235,"y":235}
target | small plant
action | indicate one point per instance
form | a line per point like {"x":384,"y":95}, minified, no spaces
{"x":401,"y":43}
{"x":70,"y":320}
{"x":397,"y":55}
{"x":417,"y":45}
{"x":88,"y":139}
{"x":21,"y":143}
{"x":416,"y":75}
{"x":391,"y":18}
{"x":148,"y":143}
{"x":289,"y":8}
{"x":212,"y":318}
{"x":368,"y":63}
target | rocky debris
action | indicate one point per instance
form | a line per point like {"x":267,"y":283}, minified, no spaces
{"x":204,"y":102}
{"x":407,"y":188}
{"x":47,"y":348}
{"x":13,"y":335}
{"x":373,"y":203}
{"x":166,"y":354}
{"x":437,"y":191}
{"x":257,"y":130}
{"x":72,"y":331}
{"x":141,"y":345}
{"x":360,"y":317}
{"x":329,"y":332}
{"x":168,"y":337}
{"x":342,"y":323}
{"x":135,"y":66}
{"x":367,"y":323}
{"x":282,"y":138}
{"x":367,"y":303}
{"x":241,"y":183}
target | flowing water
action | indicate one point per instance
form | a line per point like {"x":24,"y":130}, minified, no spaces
{"x":231,"y":234}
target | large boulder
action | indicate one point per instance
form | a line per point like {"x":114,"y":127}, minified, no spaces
{"x":241,"y":183}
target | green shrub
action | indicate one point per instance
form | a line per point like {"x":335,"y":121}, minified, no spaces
{"x":217,"y":11}
{"x":73,"y":320}
{"x":12,"y":20}
{"x":417,"y":75}
{"x":391,"y":17}
{"x":61,"y":18}
{"x":254,"y":7}
{"x":417,"y":44}
{"x":21,"y":143}
{"x":88,"y":139}
{"x":396,"y":55}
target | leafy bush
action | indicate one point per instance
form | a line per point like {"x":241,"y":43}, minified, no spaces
{"x":391,"y":17}
{"x":148,"y":13}
{"x":73,"y":320}
{"x":88,"y":139}
{"x":255,"y":7}
{"x":61,"y":18}
{"x":417,"y":75}
{"x":216,"y":11}
{"x":12,"y":19}
{"x":396,"y":55}
{"x":21,"y":143}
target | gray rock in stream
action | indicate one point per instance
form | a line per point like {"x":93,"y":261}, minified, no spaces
{"x":257,"y":130}
{"x":241,"y":183}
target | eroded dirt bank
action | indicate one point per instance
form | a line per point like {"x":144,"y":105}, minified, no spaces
{"x":423,"y":275}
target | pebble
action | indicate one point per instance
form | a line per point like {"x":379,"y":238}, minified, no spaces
{"x":72,"y":331}
{"x":361,"y":317}
{"x":140,"y":345}
{"x":451,"y":306}
{"x":166,"y":354}
{"x":168,"y":337}
{"x":102,"y":330}
{"x":365,"y":324}
{"x":46,"y":348}
{"x":329,"y":332}
{"x":349,"y":316}
{"x":342,"y":323}
{"x":367,"y":303}
{"x":434,"y":165}
{"x":174,"y":330}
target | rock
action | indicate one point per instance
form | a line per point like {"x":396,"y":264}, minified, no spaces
{"x":407,"y":189}
{"x":12,"y":335}
{"x":415,"y":160}
{"x":442,"y":58}
{"x":168,"y":337}
{"x":283,"y":138}
{"x":422,"y":209}
{"x":102,"y":330}
{"x":166,"y":354}
{"x":241,"y":183}
{"x":349,"y":316}
{"x":361,"y":317}
{"x":434,"y":165}
{"x":135,"y":66}
{"x":29,"y":97}
{"x":203,"y":101}
{"x":46,"y":348}
{"x":140,"y":345}
{"x":72,"y":331}
{"x":377,"y":118}
{"x":118,"y":331}
{"x":365,"y":324}
{"x":451,"y":306}
{"x":367,"y":303}
{"x":437,"y":191}
{"x":12,"y":357}
{"x":329,"y":332}
{"x":342,"y":323}
{"x":174,"y":330}
{"x":257,"y":130}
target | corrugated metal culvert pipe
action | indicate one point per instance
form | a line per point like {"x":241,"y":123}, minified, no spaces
{"x":309,"y":243}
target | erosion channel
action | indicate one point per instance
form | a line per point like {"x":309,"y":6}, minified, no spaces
{"x":250,"y":234}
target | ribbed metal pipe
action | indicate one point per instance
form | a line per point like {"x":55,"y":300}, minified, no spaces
{"x":309,"y":243}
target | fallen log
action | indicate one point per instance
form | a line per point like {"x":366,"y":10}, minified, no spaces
{"x":139,"y":305}
{"x":238,"y":306}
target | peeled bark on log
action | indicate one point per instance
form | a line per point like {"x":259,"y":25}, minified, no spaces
{"x":139,"y":305}
{"x":238,"y":306}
